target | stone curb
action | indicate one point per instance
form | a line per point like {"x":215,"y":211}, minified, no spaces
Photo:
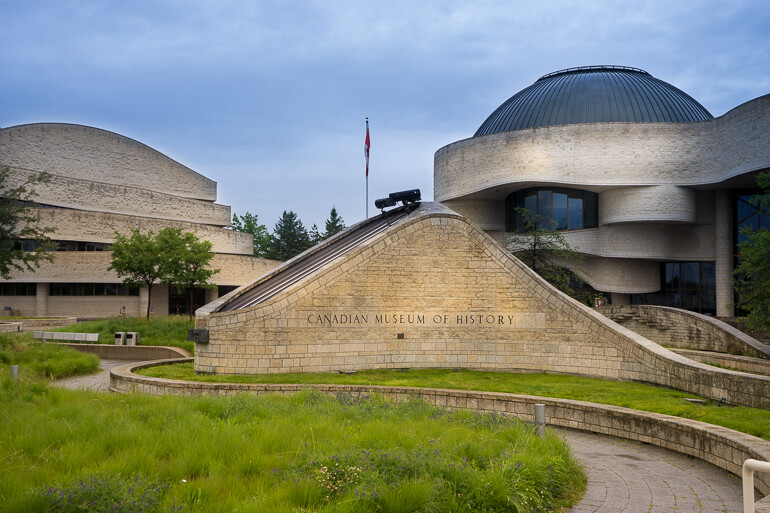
{"x":725,"y":448}
{"x":144,"y":353}
{"x":741,"y":363}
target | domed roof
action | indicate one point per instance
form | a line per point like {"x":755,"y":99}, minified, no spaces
{"x":594,"y":94}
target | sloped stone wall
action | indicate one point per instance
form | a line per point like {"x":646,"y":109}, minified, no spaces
{"x":435,"y":292}
{"x":686,"y":330}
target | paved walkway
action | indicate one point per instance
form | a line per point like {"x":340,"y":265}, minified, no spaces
{"x":631,"y":477}
{"x":99,"y":381}
{"x":623,"y":476}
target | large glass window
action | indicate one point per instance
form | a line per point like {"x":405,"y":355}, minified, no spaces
{"x":687,"y":285}
{"x":92,"y":289}
{"x":748,"y":215}
{"x":560,"y":208}
{"x":64,"y":245}
{"x":18,"y":289}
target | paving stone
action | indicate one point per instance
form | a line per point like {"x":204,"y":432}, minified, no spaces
{"x":632,"y":477}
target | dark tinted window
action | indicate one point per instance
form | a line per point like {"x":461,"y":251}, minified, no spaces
{"x":569,"y":209}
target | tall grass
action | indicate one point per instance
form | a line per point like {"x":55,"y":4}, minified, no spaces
{"x":637,"y":396}
{"x":45,"y":360}
{"x":305,"y":452}
{"x":158,"y":331}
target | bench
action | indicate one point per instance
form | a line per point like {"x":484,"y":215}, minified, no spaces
{"x":47,"y":336}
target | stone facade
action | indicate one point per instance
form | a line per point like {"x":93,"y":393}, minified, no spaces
{"x":659,"y":186}
{"x":433,"y":291}
{"x":102,"y":183}
{"x":685,"y":330}
{"x":86,"y":153}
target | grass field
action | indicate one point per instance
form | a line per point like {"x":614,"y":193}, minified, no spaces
{"x":618,"y":393}
{"x":158,"y":331}
{"x":43,"y":360}
{"x":306,"y":452}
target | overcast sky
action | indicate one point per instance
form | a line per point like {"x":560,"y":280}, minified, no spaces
{"x":269,"y":98}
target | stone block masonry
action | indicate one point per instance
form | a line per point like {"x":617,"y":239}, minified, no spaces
{"x":433,"y":291}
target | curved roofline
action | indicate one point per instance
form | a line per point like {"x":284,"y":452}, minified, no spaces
{"x":592,"y":68}
{"x":594,"y":94}
{"x":140,"y":143}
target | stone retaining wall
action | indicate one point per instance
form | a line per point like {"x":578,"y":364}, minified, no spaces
{"x":129,"y":352}
{"x":741,"y":363}
{"x":683,"y":329}
{"x":725,"y":448}
{"x":38,"y":324}
{"x":10,"y":326}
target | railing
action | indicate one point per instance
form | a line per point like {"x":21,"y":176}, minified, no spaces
{"x":749,"y":466}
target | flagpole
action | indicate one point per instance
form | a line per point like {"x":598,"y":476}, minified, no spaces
{"x":366,"y":154}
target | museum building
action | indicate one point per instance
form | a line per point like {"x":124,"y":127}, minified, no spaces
{"x":102,"y":182}
{"x":643,"y":181}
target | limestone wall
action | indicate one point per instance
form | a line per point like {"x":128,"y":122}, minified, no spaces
{"x":82,"y":152}
{"x":91,"y":267}
{"x":235,"y":270}
{"x":687,"y":330}
{"x":653,"y":203}
{"x":20,"y":305}
{"x":728,"y":361}
{"x":97,"y":196}
{"x":89,"y":226}
{"x":96,"y":306}
{"x":435,"y":292}
{"x":602,"y":155}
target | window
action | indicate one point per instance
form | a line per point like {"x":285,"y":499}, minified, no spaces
{"x":64,"y":245}
{"x":18,"y":289}
{"x":92,"y":289}
{"x":687,"y":285}
{"x":569,"y":209}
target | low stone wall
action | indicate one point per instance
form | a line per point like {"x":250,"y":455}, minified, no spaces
{"x":37,"y":324}
{"x":10,"y":326}
{"x":741,"y":363}
{"x":725,"y":448}
{"x":683,"y":329}
{"x":113,"y":352}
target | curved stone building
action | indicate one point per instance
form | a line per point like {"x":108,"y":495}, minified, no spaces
{"x":102,"y":182}
{"x":644,"y":181}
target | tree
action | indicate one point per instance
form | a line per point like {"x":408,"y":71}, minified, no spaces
{"x":289,"y":238}
{"x":137,"y":259}
{"x":24,"y":244}
{"x":249,"y":223}
{"x":545,"y":251}
{"x":315,"y":235}
{"x":753,"y":271}
{"x":334,"y":224}
{"x":186,"y":261}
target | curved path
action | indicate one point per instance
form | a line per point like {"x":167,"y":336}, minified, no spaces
{"x":623,"y":476}
{"x":99,"y":381}
{"x":632,"y":477}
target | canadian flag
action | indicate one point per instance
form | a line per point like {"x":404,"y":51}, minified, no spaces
{"x":366,"y":147}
